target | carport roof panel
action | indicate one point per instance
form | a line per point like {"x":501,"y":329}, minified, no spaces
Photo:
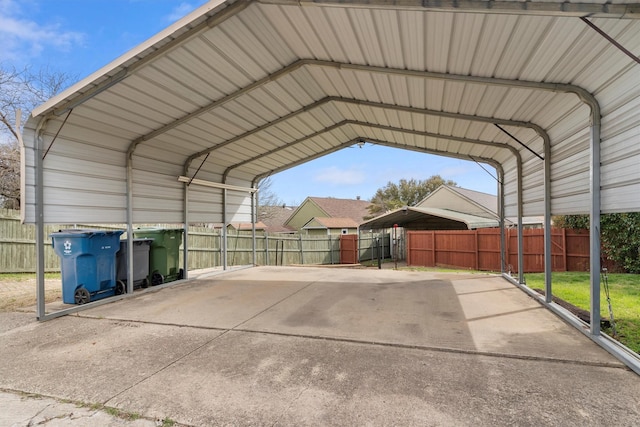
{"x":427,"y":218}
{"x":230,"y":73}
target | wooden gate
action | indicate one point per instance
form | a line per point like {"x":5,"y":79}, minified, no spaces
{"x":349,"y":249}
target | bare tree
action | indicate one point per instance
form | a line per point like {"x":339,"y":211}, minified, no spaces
{"x":267,"y":199}
{"x":20,"y":90}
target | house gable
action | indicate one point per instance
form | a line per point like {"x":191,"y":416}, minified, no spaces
{"x":328,"y":207}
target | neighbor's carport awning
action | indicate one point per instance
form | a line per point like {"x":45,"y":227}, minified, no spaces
{"x":414,"y":218}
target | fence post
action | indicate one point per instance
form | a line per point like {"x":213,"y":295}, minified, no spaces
{"x":564,"y":248}
{"x":301,"y":251}
{"x":433,"y":245}
{"x":475,"y":232}
{"x":330,"y":251}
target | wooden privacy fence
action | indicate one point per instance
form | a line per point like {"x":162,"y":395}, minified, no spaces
{"x":17,"y":247}
{"x":480,"y":249}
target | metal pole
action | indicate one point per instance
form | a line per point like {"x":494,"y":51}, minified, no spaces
{"x":594,"y":229}
{"x":548,"y":266}
{"x":39,"y":164}
{"x":185,"y":252}
{"x":224,"y":229}
{"x":254,"y":218}
{"x":501,"y":217}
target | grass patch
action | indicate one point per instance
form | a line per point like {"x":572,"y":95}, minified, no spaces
{"x":624,"y":289}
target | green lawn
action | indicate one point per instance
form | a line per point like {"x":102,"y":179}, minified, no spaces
{"x":625,"y":299}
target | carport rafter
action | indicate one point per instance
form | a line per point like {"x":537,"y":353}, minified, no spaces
{"x":489,"y":120}
{"x":514,"y":151}
{"x":336,"y":99}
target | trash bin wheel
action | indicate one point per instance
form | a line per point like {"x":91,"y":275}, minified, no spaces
{"x":144,"y":283}
{"x":81,"y":296}
{"x":121,"y":288}
{"x":156,"y":279}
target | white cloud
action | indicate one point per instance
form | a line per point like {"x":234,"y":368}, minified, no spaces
{"x":336,"y":176}
{"x":451,"y":172}
{"x":182,"y":10}
{"x":23,"y":38}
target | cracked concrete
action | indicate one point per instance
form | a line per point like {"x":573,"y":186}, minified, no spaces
{"x":32,"y":410}
{"x":310,"y":346}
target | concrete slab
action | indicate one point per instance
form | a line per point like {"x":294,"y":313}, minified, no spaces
{"x":313,"y":346}
{"x":90,"y":360}
{"x":40,"y":411}
{"x":258,"y":379}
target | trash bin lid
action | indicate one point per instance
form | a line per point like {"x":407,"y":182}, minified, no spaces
{"x":78,"y":232}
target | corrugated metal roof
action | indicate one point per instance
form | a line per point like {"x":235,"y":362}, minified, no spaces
{"x":415,"y":218}
{"x":240,"y":90}
{"x":343,"y":208}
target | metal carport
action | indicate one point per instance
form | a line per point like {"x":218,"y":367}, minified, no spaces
{"x":417,"y":218}
{"x":545,"y":92}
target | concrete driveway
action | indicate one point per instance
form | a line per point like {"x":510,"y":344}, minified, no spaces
{"x":326,"y":346}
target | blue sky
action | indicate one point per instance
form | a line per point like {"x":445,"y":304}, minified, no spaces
{"x":80,"y":36}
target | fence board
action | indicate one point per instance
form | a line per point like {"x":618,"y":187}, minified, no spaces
{"x":480,"y":249}
{"x":17,"y":254}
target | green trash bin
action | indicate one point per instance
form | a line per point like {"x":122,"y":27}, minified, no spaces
{"x":164,"y":254}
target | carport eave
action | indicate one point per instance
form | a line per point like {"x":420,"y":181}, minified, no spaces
{"x":627,"y":10}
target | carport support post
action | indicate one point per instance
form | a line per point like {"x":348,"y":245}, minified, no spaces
{"x":224,"y":229}
{"x":548,"y":295}
{"x":501,"y":213}
{"x":39,"y":164}
{"x":185,"y":252}
{"x":254,"y":219}
{"x":594,"y":226}
{"x":130,"y":221}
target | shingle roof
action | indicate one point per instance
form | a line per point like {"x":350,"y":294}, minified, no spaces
{"x":336,"y":222}
{"x":343,"y":208}
{"x":243,"y":226}
{"x":274,"y":218}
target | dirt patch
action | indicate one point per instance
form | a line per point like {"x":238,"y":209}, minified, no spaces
{"x":18,"y":295}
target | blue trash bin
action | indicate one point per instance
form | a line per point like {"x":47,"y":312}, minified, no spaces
{"x":88,"y":263}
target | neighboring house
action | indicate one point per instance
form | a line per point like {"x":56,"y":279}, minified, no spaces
{"x":449,"y":208}
{"x":274,"y":218}
{"x":327,"y":207}
{"x":246,"y":227}
{"x":321,"y":226}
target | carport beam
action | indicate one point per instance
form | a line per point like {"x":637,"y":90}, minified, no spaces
{"x":185,"y":252}
{"x":39,"y":163}
{"x":224,"y":229}
{"x":594,"y":229}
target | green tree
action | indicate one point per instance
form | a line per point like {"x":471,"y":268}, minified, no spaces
{"x":619,"y":233}
{"x":405,"y":193}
